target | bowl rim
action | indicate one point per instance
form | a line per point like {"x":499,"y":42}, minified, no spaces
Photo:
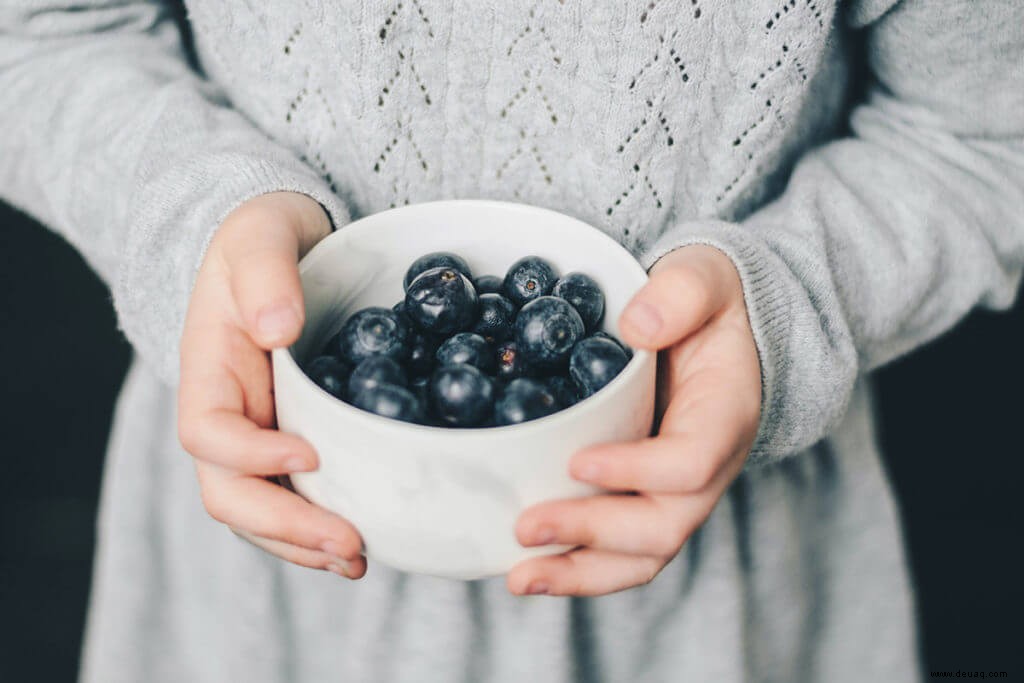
{"x":284,"y":356}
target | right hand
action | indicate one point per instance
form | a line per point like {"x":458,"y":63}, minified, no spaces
{"x":247,"y":300}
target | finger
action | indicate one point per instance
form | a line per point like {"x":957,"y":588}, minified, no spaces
{"x":230,"y":440}
{"x":260,"y":508}
{"x":633,"y":525}
{"x":703,"y":428}
{"x":583,"y":572}
{"x":354,"y":568}
{"x":685,"y":289}
{"x":265,"y":282}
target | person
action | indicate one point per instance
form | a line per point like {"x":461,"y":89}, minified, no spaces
{"x":800,"y":231}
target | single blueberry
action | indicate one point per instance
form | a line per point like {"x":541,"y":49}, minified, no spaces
{"x":509,"y":364}
{"x":497,"y":316}
{"x":461,"y":396}
{"x":546,"y":330}
{"x":584,"y":294}
{"x":601,"y":334}
{"x":422,"y":348}
{"x":488,"y":284}
{"x":528,"y":279}
{"x":595,"y":362}
{"x":437,"y":259}
{"x":373,"y":331}
{"x":442,"y":301}
{"x":399,"y":310}
{"x":373,"y":372}
{"x":388,"y":400}
{"x":524,"y":400}
{"x":468,"y":348}
{"x":330,"y":374}
{"x":563,"y":389}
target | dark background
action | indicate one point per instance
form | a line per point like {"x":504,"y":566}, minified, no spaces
{"x":950,"y":425}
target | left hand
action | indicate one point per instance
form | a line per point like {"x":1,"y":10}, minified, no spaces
{"x":709,"y":400}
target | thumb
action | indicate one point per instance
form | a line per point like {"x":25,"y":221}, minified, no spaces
{"x":263,"y":270}
{"x":686,"y":288}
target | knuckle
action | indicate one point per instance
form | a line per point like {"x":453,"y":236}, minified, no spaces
{"x":189,"y":434}
{"x":700,"y":475}
{"x":667,"y":545}
{"x":682,"y":280}
{"x":650,"y":572}
{"x":215,"y":505}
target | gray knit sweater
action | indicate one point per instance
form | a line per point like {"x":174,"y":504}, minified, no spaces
{"x":859,"y":233}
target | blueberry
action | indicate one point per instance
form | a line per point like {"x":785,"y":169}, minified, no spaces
{"x":546,"y":330}
{"x":509,"y":364}
{"x":468,"y":348}
{"x":399,"y":310}
{"x":373,"y":372}
{"x":527,"y":279}
{"x":565,"y":391}
{"x":422,"y":348}
{"x":497,"y":316}
{"x":595,"y":362}
{"x":373,"y":331}
{"x":330,"y":374}
{"x":461,"y":396}
{"x":584,"y":294}
{"x":437,"y":259}
{"x":442,"y":301}
{"x":524,"y":400}
{"x":391,"y":401}
{"x":604,"y":335}
{"x":488,"y":284}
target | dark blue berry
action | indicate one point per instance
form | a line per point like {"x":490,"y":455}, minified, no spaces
{"x":595,"y":362}
{"x":330,"y":374}
{"x":371,"y":332}
{"x":546,"y":330}
{"x":422,"y":348}
{"x":601,"y":334}
{"x":488,"y":284}
{"x":442,"y":301}
{"x":374,"y":372}
{"x":528,"y":279}
{"x":461,"y":396}
{"x":399,"y":310}
{"x":468,"y":348}
{"x":497,"y":317}
{"x":563,"y":389}
{"x":509,"y":364}
{"x":523,"y":400}
{"x":437,"y":259}
{"x":584,"y":294}
{"x":388,"y":400}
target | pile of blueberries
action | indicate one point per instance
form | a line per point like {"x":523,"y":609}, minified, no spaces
{"x":465,"y":352}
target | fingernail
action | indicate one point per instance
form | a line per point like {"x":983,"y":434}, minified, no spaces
{"x":297,"y":463}
{"x":275,"y":323}
{"x":643,"y":317}
{"x":341,"y":569}
{"x":544,"y":536}
{"x":590,"y":471}
{"x":537,"y":588}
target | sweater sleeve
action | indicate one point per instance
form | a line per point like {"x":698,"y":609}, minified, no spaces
{"x":884,"y":240}
{"x":112,"y":140}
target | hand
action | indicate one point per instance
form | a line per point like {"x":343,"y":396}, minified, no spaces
{"x":248,"y":299}
{"x":709,"y":402}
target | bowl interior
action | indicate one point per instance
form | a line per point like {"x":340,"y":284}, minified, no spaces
{"x":364,"y":263}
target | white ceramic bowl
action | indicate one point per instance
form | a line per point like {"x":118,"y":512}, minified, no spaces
{"x":445,"y":501}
